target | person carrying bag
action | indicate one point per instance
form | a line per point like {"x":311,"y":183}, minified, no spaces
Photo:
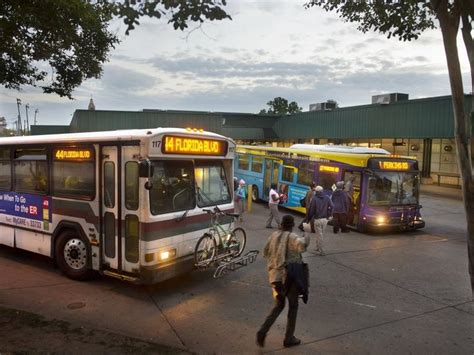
{"x":282,"y":252}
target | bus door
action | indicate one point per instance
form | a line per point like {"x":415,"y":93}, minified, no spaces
{"x":355,"y":177}
{"x":270,"y":175}
{"x":120,"y":200}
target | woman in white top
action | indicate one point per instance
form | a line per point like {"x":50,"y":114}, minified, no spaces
{"x":273,"y":201}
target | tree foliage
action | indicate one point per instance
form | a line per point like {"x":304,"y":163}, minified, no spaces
{"x":57,"y":44}
{"x":180,"y":12}
{"x":280,"y":106}
{"x":69,"y":36}
{"x":406,"y":20}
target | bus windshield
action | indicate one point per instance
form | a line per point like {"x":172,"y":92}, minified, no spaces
{"x":211,"y":183}
{"x":176,"y":185}
{"x":393,"y":188}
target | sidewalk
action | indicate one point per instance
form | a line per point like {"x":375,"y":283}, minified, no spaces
{"x":441,"y":191}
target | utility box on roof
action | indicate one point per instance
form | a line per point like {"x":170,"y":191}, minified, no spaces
{"x":386,"y":99}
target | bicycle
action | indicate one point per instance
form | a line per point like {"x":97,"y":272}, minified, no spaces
{"x":219,"y":243}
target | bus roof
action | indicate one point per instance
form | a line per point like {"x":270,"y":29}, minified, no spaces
{"x":103,"y":136}
{"x":356,"y":159}
{"x":341,"y":149}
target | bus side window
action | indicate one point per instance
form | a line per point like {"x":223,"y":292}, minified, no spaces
{"x":327,"y":180}
{"x":257,"y":164}
{"x":5,"y":170}
{"x":288,"y":173}
{"x":31,"y":170}
{"x":243,"y":162}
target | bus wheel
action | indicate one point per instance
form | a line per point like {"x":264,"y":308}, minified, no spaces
{"x":73,"y":256}
{"x":255,"y":193}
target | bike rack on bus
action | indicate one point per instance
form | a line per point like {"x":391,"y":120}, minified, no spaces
{"x":235,"y":264}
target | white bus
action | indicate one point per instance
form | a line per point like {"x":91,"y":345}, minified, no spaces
{"x":125,"y":203}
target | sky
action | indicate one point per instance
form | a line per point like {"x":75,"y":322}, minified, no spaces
{"x":269,"y":48}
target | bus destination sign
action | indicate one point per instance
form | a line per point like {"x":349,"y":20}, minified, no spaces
{"x":394,"y":165}
{"x":72,"y":154}
{"x":193,"y":146}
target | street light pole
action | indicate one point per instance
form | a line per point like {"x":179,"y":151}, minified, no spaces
{"x":18,"y":125}
{"x":27,"y":128}
{"x":36,"y":111}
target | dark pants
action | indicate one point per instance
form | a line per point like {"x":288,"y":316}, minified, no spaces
{"x":339,"y":221}
{"x":278,"y":306}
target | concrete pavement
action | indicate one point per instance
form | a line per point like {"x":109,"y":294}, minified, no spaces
{"x":392,"y":293}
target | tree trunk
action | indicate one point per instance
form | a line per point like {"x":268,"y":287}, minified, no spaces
{"x":449,"y":23}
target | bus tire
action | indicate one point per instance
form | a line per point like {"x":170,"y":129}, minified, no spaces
{"x":255,"y":193}
{"x":73,"y":255}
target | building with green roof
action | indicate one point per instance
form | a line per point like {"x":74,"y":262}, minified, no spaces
{"x":422,"y":127}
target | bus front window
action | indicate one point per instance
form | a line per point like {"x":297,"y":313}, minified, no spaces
{"x":173,"y":188}
{"x":393,"y":188}
{"x":211,"y":183}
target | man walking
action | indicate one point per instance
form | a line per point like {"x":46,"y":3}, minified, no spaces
{"x":273,"y":201}
{"x":320,"y":210}
{"x":308,"y":197}
{"x":283,"y":247}
{"x":341,"y":202}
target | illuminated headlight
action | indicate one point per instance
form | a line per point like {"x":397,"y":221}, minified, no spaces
{"x":380,"y":219}
{"x":167,"y":254}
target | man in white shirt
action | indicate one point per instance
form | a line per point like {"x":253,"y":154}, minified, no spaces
{"x":273,"y":201}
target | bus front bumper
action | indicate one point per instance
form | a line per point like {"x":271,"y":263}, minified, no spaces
{"x":157,"y":273}
{"x":416,"y":224}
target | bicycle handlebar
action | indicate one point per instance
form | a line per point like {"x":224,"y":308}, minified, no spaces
{"x":217,"y":211}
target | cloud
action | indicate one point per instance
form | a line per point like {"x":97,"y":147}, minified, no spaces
{"x":217,"y":67}
{"x":117,"y":78}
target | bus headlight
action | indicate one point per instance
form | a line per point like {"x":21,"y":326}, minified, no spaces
{"x":167,"y":254}
{"x":380,"y":220}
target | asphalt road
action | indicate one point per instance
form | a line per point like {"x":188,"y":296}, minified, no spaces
{"x":393,"y":293}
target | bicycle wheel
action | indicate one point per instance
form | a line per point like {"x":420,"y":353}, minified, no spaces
{"x":205,"y":251}
{"x":237,"y":241}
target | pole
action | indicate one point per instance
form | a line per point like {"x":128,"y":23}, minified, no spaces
{"x":249,"y":198}
{"x":36,"y":111}
{"x":18,"y":123}
{"x":27,"y":127}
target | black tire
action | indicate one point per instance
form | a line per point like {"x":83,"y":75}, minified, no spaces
{"x":205,"y":251}
{"x":237,"y":241}
{"x":73,"y":256}
{"x":255,"y":193}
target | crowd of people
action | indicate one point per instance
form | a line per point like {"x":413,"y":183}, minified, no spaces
{"x":283,"y":249}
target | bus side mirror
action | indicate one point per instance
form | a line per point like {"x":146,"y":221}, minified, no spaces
{"x":145,"y":169}
{"x":148,"y":185}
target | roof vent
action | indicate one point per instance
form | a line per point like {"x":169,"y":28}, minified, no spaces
{"x":329,"y":105}
{"x":386,"y":99}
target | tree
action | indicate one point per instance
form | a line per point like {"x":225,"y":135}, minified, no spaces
{"x":407,"y":20}
{"x":72,"y":36}
{"x":280,"y":106}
